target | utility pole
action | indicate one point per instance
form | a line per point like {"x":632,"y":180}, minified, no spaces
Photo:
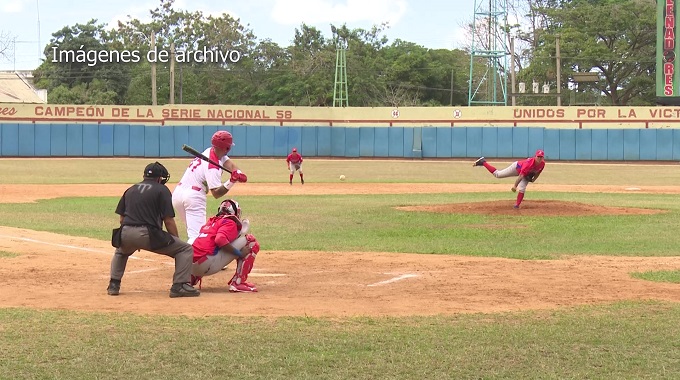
{"x":451,"y":100}
{"x":154,"y":101}
{"x":558,"y":70}
{"x":172,"y":73}
{"x":512,"y":71}
{"x":37,"y":8}
{"x":180,"y":84}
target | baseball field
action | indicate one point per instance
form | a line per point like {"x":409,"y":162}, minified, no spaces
{"x":406,"y":269}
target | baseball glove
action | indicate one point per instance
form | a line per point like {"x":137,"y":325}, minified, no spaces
{"x":531,"y":177}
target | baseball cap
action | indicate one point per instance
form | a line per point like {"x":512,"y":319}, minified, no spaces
{"x":157,"y":170}
{"x":539,"y":153}
{"x":294,"y":149}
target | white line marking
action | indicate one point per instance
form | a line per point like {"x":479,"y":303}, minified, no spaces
{"x":395,"y":279}
{"x":74,"y":247}
{"x":131,"y":257}
{"x":266,"y":274}
{"x":141,"y":271}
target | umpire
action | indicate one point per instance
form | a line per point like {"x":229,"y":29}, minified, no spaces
{"x":143,"y":209}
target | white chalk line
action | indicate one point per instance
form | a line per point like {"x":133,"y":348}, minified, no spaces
{"x":394,"y":279}
{"x":266,"y":274}
{"x":76,"y":248}
{"x":131,"y":257}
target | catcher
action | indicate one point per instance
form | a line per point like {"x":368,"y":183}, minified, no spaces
{"x":294,"y":161}
{"x":221,"y":240}
{"x":526,"y":171}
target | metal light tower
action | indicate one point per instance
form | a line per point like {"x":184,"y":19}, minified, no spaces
{"x":489,"y":54}
{"x":340,"y":97}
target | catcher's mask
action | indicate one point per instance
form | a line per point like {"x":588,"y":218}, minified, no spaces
{"x":157,"y":170}
{"x":229,"y":207}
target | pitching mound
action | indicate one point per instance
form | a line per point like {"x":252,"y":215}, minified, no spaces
{"x":533,"y":208}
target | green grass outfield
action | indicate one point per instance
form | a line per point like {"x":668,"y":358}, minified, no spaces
{"x":623,"y":340}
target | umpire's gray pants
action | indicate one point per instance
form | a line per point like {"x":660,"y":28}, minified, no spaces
{"x":137,"y":237}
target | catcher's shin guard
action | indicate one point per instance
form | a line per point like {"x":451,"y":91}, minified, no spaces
{"x":239,"y":282}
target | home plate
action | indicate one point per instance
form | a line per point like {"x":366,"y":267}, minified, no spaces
{"x":633,"y":188}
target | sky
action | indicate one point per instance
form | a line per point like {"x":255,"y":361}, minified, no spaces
{"x":434,"y":24}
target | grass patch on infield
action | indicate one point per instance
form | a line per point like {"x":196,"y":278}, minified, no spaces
{"x":8,"y":254}
{"x":621,"y":340}
{"x":672,"y":276}
{"x":371,"y":223}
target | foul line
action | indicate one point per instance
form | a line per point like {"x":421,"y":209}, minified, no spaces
{"x":129,"y":257}
{"x":74,"y":247}
{"x":394,"y":279}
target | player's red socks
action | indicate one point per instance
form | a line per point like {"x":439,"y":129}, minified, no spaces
{"x":520,"y":196}
{"x":488,"y":167}
{"x":291,"y":178}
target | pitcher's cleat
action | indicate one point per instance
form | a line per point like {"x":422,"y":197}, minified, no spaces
{"x":480,"y":162}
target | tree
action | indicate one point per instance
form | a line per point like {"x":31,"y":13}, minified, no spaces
{"x":213,"y":80}
{"x":79,"y":58}
{"x":616,"y":38}
{"x":302,"y":74}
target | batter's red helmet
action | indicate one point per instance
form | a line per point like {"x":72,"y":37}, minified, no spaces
{"x":222,"y":140}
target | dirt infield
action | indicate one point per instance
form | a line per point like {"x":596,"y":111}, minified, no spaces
{"x":62,"y":272}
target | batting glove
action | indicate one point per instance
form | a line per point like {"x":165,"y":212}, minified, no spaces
{"x":238,"y":176}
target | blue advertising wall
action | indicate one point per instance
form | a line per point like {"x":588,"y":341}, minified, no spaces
{"x":125,"y":140}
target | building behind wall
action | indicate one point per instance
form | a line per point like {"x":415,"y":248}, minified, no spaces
{"x":15,"y":88}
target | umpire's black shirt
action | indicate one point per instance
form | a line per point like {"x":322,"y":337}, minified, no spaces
{"x":146,"y":204}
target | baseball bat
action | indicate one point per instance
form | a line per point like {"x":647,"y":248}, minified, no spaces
{"x":200,"y":155}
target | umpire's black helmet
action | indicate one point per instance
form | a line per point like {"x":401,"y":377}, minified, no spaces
{"x":157,"y":170}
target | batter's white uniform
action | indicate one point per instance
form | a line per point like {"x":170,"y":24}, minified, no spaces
{"x":190,"y":195}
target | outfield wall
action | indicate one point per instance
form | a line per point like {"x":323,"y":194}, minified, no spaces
{"x":134,"y":140}
{"x":565,"y":133}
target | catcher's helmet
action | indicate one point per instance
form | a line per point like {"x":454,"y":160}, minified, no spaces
{"x":157,"y":170}
{"x":222,"y":140}
{"x":229,"y":207}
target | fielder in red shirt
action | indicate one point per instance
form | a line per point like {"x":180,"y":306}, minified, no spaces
{"x":526,"y":171}
{"x":221,"y":240}
{"x":294,"y":161}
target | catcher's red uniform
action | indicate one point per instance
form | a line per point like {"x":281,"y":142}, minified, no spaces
{"x":218,"y":231}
